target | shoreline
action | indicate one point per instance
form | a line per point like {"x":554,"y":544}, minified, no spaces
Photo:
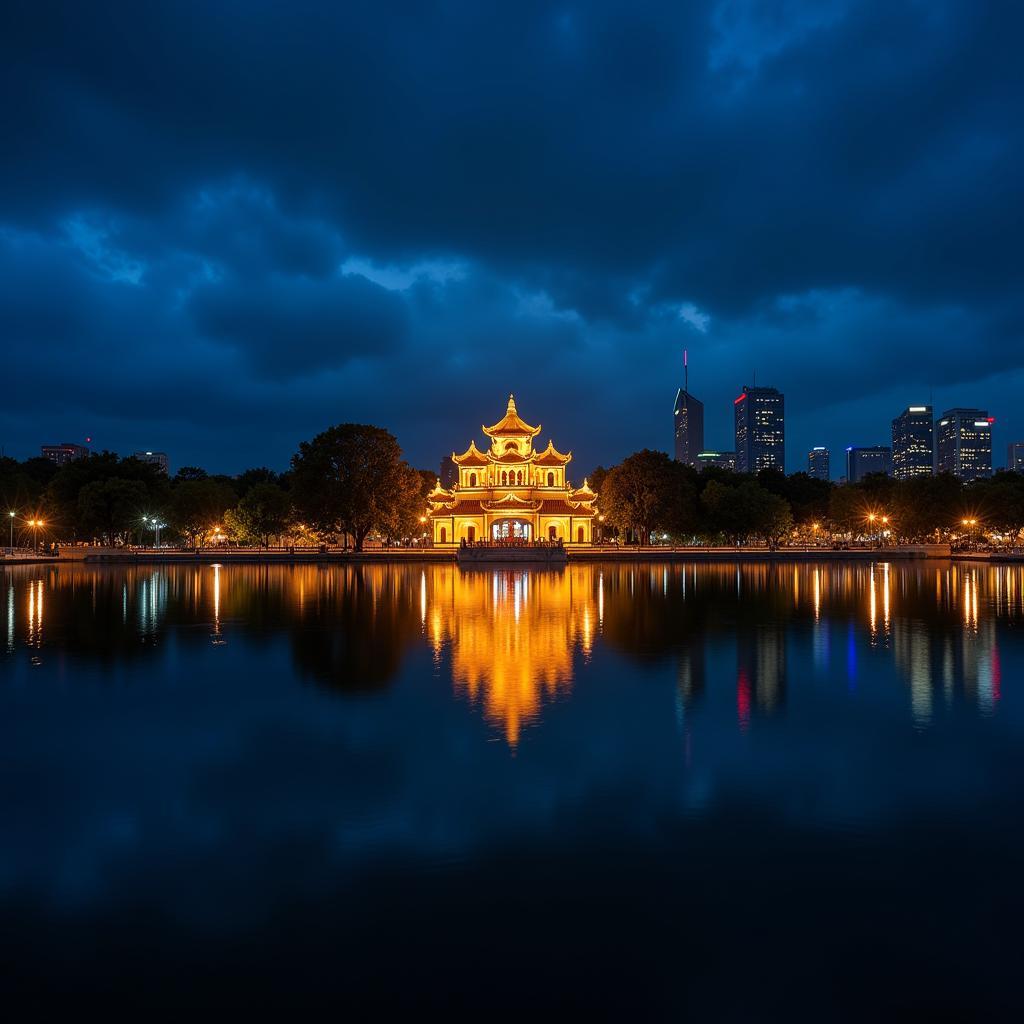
{"x":396,"y":556}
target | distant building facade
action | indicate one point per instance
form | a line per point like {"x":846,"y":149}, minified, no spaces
{"x":723,"y":460}
{"x":1015,"y":456}
{"x":154,"y":459}
{"x":818,"y":464}
{"x":64,"y":453}
{"x":760,"y":430}
{"x":913,"y":449}
{"x":449,"y":474}
{"x":860,"y":461}
{"x":964,"y":443}
{"x":688,"y":421}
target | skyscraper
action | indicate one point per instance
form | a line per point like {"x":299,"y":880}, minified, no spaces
{"x":64,"y":453}
{"x":154,"y":458}
{"x":863,"y":460}
{"x":818,"y":464}
{"x":688,"y":421}
{"x":1015,"y":456}
{"x":760,"y":430}
{"x":964,"y":443}
{"x":912,"y":444}
{"x":723,"y":460}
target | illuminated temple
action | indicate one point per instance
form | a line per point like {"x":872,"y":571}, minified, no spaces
{"x":512,"y":491}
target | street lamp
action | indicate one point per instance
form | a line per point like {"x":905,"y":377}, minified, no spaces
{"x":157,"y":526}
{"x":11,"y":514}
{"x":35,"y":524}
{"x":970,"y":524}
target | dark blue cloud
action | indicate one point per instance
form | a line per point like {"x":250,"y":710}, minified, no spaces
{"x":265,"y":219}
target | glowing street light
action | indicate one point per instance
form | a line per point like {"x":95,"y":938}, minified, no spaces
{"x":11,"y":514}
{"x":35,"y":524}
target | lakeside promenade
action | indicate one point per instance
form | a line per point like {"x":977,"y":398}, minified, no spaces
{"x":597,"y":553}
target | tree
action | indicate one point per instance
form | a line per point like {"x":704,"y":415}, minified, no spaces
{"x":64,"y":489}
{"x":924,"y":506}
{"x":737,"y":511}
{"x":112,"y":508}
{"x":648,"y":491}
{"x":351,"y":479}
{"x":197,"y":505}
{"x":1000,"y":503}
{"x":261,"y":514}
{"x":773,"y":517}
{"x":251,"y":477}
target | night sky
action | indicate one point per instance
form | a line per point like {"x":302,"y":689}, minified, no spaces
{"x":226,"y":226}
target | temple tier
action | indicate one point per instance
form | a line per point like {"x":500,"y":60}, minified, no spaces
{"x":512,"y":491}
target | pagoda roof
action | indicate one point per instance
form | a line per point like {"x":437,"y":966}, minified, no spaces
{"x":511,"y":503}
{"x":472,"y":456}
{"x":551,"y":457}
{"x":559,"y":506}
{"x":439,"y":493}
{"x":583,"y":493}
{"x":511,"y":425}
{"x":510,"y":457}
{"x":469,"y":507}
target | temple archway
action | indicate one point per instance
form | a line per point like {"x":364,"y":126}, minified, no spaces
{"x":511,"y":529}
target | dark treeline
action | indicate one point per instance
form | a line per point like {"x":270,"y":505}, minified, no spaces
{"x":649,"y":497}
{"x":346,"y":484}
{"x":351,"y":482}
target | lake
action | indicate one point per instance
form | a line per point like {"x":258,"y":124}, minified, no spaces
{"x":735,"y":791}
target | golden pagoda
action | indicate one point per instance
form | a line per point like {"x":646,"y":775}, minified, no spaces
{"x":511,"y":491}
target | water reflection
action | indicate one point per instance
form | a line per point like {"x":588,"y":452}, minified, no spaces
{"x":512,"y":636}
{"x":512,"y":641}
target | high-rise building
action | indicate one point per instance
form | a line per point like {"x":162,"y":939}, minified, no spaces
{"x":723,"y":460}
{"x":449,"y":473}
{"x":818,"y":464}
{"x":1015,"y":456}
{"x":760,"y":430}
{"x":964,"y":443}
{"x":688,"y":421}
{"x":154,"y":459}
{"x":863,"y":460}
{"x":64,"y":453}
{"x":912,"y":445}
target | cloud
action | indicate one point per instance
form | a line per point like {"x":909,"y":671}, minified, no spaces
{"x":329,"y":214}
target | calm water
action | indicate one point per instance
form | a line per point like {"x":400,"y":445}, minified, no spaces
{"x":749,"y":792}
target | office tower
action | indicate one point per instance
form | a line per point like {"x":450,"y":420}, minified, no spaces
{"x":964,"y":443}
{"x":64,"y":453}
{"x":912,"y":444}
{"x":1015,"y":456}
{"x":863,"y":460}
{"x":449,"y":473}
{"x":723,"y":460}
{"x":154,"y":459}
{"x":760,"y":430}
{"x":818,"y":464}
{"x":688,"y":421}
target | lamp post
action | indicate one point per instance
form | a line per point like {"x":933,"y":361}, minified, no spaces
{"x":35,"y":524}
{"x":885,"y":522}
{"x":11,"y":514}
{"x":871,"y":519}
{"x":970,"y":524}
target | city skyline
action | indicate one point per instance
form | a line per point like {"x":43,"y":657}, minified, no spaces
{"x":333,"y":242}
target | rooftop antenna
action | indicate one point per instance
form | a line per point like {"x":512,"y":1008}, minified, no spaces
{"x":686,"y":373}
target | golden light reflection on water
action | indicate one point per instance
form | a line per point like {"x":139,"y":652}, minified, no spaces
{"x":512,"y":636}
{"x":512,"y":640}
